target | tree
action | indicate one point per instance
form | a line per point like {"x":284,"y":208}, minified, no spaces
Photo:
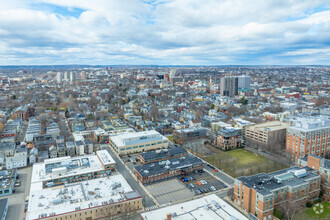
{"x":13,"y":97}
{"x":212,"y":106}
{"x":244,"y":101}
{"x":198,"y":114}
{"x":290,"y":208}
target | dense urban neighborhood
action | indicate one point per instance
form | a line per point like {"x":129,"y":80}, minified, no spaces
{"x":165,"y":142}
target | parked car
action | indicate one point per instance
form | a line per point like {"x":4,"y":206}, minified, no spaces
{"x":192,"y":185}
{"x":212,"y":188}
{"x":198,"y":191}
{"x":199,"y":183}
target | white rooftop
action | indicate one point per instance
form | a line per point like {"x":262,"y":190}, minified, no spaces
{"x":105,"y":157}
{"x":68,"y":166}
{"x":76,"y":196}
{"x":311,"y":123}
{"x":205,"y":208}
{"x":137,"y":138}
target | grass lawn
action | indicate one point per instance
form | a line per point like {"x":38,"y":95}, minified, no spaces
{"x":170,"y":138}
{"x":309,"y":213}
{"x":243,"y":163}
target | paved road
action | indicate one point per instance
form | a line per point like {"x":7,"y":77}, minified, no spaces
{"x":22,"y":132}
{"x":16,"y":201}
{"x":222,"y":176}
{"x":130,"y":179}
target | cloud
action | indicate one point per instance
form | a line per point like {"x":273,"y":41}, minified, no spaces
{"x":163,"y":32}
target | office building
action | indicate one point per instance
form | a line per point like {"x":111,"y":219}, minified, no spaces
{"x":266,"y":136}
{"x":62,"y":170}
{"x":309,"y":135}
{"x":322,"y":166}
{"x":7,"y":182}
{"x":206,"y":208}
{"x":181,"y":136}
{"x":92,"y":199}
{"x":67,"y":76}
{"x":153,"y":172}
{"x":137,"y":142}
{"x":59,"y":77}
{"x":229,"y":86}
{"x":228,"y":138}
{"x":244,"y":82}
{"x":260,"y":194}
{"x":83,"y":75}
{"x":164,"y":154}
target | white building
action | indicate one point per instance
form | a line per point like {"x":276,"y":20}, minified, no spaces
{"x":138,"y":142}
{"x":59,"y":77}
{"x":72,"y":76}
{"x":244,"y":82}
{"x":18,"y":160}
{"x":205,"y":208}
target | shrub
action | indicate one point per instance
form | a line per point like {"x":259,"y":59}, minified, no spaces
{"x":317,"y":201}
{"x":278,"y":214}
{"x":309,"y":204}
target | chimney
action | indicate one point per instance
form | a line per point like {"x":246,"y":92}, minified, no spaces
{"x":169,"y":216}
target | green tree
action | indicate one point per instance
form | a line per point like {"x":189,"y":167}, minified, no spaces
{"x":212,"y":106}
{"x":13,"y":97}
{"x":244,"y":101}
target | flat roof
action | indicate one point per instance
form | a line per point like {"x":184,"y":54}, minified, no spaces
{"x":311,"y":123}
{"x":69,"y":166}
{"x":132,"y":138}
{"x":271,"y":126}
{"x":105,"y":157}
{"x":205,"y":208}
{"x":158,"y":153}
{"x":266,"y":183}
{"x":77,"y":196}
{"x":3,"y":206}
{"x":166,"y":165}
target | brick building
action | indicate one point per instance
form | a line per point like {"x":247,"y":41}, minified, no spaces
{"x":228,"y":138}
{"x":309,"y":135}
{"x":260,"y":194}
{"x":164,"y":154}
{"x":181,"y":136}
{"x":322,"y":166}
{"x":153,"y":172}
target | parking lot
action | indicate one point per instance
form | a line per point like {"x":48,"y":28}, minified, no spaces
{"x":210,"y":183}
{"x":170,"y":190}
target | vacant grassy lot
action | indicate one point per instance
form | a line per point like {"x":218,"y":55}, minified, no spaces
{"x":170,"y":138}
{"x":243,"y":163}
{"x":309,"y":213}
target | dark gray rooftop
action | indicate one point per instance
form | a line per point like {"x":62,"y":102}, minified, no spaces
{"x":3,"y":205}
{"x":167,"y":165}
{"x":131,"y":195}
{"x":265,"y":183}
{"x":160,"y":153}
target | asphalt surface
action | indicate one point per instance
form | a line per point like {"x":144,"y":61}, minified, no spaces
{"x":16,"y":201}
{"x":22,"y":132}
{"x":147,"y":201}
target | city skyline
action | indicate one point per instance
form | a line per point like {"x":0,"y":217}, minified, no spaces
{"x":164,"y":32}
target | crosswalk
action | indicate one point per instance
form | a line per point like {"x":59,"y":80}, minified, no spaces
{"x":151,"y":208}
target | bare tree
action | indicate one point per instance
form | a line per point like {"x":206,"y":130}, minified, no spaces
{"x":290,"y":208}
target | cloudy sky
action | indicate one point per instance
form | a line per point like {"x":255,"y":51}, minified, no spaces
{"x":174,"y":32}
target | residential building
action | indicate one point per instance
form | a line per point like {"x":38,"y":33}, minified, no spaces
{"x":73,"y":77}
{"x":229,"y":86}
{"x":266,"y":136}
{"x":19,"y":159}
{"x":7,"y":182}
{"x":181,"y":136}
{"x":206,"y":208}
{"x":322,"y":166}
{"x":309,"y":135}
{"x":164,"y":154}
{"x":261,"y":193}
{"x":137,"y":142}
{"x":244,"y":82}
{"x":228,"y":138}
{"x":61,"y":170}
{"x":59,"y":77}
{"x":92,"y":199}
{"x":148,"y":173}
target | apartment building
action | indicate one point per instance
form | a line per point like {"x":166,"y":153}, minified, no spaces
{"x":309,"y":135}
{"x":228,"y":138}
{"x":322,"y":166}
{"x":137,"y":142}
{"x":164,"y":154}
{"x":260,"y":194}
{"x":267,"y":136}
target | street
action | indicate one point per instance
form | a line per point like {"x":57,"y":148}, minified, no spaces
{"x":130,"y":179}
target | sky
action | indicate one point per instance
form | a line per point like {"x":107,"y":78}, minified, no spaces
{"x":165,"y":32}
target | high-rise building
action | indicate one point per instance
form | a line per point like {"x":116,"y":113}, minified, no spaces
{"x":83,"y":75}
{"x":309,"y":136}
{"x":72,"y":76}
{"x":59,"y":77}
{"x":244,"y":82}
{"x":229,"y":86}
{"x":67,"y":76}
